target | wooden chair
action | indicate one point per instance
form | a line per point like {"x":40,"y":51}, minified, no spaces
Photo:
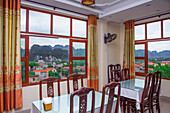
{"x":116,"y":73}
{"x":117,"y":66}
{"x":126,"y":73}
{"x":111,"y":86}
{"x":156,"y":91}
{"x":50,"y":90}
{"x":82,"y":93}
{"x":109,"y":71}
{"x":125,"y":76}
{"x":75,"y":81}
{"x":145,"y":103}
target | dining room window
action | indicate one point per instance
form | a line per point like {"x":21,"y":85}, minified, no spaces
{"x":52,"y":45}
{"x":152,"y":52}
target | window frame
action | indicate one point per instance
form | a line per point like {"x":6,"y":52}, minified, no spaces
{"x":26,"y":34}
{"x":146,"y":40}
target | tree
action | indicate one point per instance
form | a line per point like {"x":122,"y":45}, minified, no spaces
{"x":65,"y":72}
{"x":49,"y":66}
{"x":150,"y":66}
{"x":75,"y":71}
{"x":54,"y":74}
{"x":59,"y":70}
{"x":32,"y":64}
{"x":31,"y":73}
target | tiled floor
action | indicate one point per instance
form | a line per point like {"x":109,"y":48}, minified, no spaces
{"x":165,"y":105}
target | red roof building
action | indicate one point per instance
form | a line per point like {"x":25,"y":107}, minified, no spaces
{"x":165,"y":63}
{"x":80,"y":67}
{"x":65,"y":68}
{"x":137,"y":65}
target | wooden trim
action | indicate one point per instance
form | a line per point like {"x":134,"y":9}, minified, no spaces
{"x":152,"y":21}
{"x":27,"y":20}
{"x":51,"y":29}
{"x":146,"y":44}
{"x":70,"y":57}
{"x":33,"y":9}
{"x":51,"y":35}
{"x":77,"y":58}
{"x":33,"y":33}
{"x":140,"y":58}
{"x":26,"y":59}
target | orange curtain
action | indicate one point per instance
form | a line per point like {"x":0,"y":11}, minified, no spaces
{"x":129,"y":48}
{"x":10,"y":58}
{"x":93,"y":78}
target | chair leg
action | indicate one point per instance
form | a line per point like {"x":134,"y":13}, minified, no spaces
{"x":157,"y":105}
{"x":142,"y":109}
{"x":124,"y":105}
{"x":152,"y":109}
{"x":128,"y":107}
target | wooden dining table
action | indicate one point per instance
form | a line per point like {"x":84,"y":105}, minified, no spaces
{"x":132,"y":89}
{"x":61,"y":104}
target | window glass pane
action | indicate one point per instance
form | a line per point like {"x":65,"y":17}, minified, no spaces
{"x":166,"y":28}
{"x":159,"y":57}
{"x":140,"y":32}
{"x":78,"y":49}
{"x":61,"y":25}
{"x":23,"y":70}
{"x":39,"y":22}
{"x":79,"y":28}
{"x":154,"y":30}
{"x":140,"y":50}
{"x":22,"y":47}
{"x":48,"y":57}
{"x":140,"y":66}
{"x":23,"y":19}
{"x":79,"y":66}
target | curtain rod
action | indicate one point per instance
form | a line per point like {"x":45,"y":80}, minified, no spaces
{"x":56,"y":7}
{"x":159,"y":15}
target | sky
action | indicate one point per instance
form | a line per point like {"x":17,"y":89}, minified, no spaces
{"x":154,"y":31}
{"x":40,"y":22}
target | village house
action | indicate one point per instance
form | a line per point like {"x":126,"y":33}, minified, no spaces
{"x":165,"y":63}
{"x":33,"y":78}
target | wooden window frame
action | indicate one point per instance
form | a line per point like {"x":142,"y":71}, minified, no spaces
{"x":145,"y":41}
{"x":26,"y":34}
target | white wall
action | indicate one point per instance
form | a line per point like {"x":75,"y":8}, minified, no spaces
{"x":110,"y":53}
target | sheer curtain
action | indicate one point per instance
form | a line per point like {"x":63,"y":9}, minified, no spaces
{"x":129,"y":48}
{"x":92,"y":74}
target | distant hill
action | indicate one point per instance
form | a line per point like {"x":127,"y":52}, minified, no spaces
{"x":58,"y":51}
{"x":153,"y":54}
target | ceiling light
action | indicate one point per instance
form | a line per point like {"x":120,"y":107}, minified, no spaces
{"x":88,"y":2}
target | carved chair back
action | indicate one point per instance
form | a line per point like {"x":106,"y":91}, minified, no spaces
{"x":109,"y":72}
{"x":126,"y":73}
{"x":148,"y":87}
{"x":117,"y":66}
{"x":75,"y":81}
{"x":50,"y":89}
{"x":157,"y":83}
{"x":117,"y":75}
{"x":82,"y":93}
{"x":111,"y":86}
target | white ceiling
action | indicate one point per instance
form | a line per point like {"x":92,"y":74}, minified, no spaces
{"x":117,"y":11}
